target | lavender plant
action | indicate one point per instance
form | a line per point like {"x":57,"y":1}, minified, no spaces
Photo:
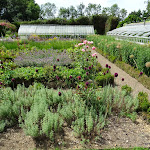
{"x":42,"y":57}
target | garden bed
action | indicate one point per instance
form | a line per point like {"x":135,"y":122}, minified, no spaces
{"x":76,"y":117}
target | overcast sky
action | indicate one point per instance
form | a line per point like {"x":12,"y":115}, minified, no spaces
{"x":129,"y":5}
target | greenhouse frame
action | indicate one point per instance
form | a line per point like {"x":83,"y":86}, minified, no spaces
{"x":74,"y":31}
{"x":137,"y":33}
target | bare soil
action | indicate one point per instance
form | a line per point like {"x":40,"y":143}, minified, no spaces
{"x":120,"y":132}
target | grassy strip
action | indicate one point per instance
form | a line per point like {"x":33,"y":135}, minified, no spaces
{"x":26,"y":44}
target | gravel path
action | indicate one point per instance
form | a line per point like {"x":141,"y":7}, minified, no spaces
{"x":130,"y":81}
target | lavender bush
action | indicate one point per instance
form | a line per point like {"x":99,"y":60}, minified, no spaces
{"x":42,"y":57}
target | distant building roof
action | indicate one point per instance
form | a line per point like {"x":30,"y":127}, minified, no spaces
{"x":49,"y":29}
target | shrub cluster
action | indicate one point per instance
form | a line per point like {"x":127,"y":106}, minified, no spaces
{"x":5,"y":27}
{"x":42,"y":112}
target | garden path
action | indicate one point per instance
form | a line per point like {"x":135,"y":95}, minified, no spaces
{"x":130,"y":81}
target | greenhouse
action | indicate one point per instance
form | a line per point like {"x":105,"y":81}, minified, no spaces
{"x":55,"y":30}
{"x":136,"y":33}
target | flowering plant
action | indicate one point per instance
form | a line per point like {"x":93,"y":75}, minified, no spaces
{"x":5,"y":26}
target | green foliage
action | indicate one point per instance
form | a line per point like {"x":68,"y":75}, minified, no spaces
{"x":111,"y":23}
{"x":144,"y":104}
{"x":127,"y":89}
{"x":103,"y":80}
{"x":121,"y":50}
{"x":6,"y":27}
{"x":99,"y":23}
{"x":20,"y":10}
{"x":112,"y":58}
{"x":41,"y":112}
{"x":24,"y":45}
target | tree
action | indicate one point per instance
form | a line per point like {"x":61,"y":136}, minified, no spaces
{"x":106,"y":11}
{"x":93,"y":9}
{"x":98,"y":9}
{"x":64,"y":13}
{"x":115,"y":10}
{"x":73,"y":12}
{"x":14,"y":10}
{"x":144,"y":14}
{"x":148,"y":7}
{"x":123,"y":14}
{"x":136,"y":13}
{"x":48,"y":10}
{"x":80,"y":9}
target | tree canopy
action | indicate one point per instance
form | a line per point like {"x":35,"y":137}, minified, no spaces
{"x":16,"y":10}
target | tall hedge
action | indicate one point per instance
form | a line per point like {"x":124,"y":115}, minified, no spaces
{"x":111,"y":23}
{"x":99,"y":23}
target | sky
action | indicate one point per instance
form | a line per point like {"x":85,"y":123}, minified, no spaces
{"x":129,"y":5}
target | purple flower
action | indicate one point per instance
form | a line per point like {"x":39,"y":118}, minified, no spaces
{"x":107,"y":71}
{"x":122,"y":79}
{"x":54,"y":70}
{"x":57,"y":77}
{"x":116,"y":75}
{"x":109,"y":67}
{"x":78,"y":87}
{"x":87,"y":73}
{"x":59,"y":93}
{"x":79,"y":77}
{"x":140,"y":73}
{"x":104,"y":73}
{"x":85,"y":68}
{"x":87,"y":59}
{"x":106,"y":65}
{"x":70,"y":77}
{"x":2,"y":67}
{"x":87,"y":83}
{"x":54,"y":67}
{"x":57,"y":59}
{"x":36,"y":70}
{"x":90,"y":67}
{"x":1,"y":62}
{"x":1,"y":83}
{"x":12,"y":79}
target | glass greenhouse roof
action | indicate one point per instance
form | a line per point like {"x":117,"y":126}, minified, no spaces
{"x":55,"y":30}
{"x":132,"y":30}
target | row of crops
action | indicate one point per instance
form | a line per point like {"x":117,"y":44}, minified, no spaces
{"x":131,"y":53}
